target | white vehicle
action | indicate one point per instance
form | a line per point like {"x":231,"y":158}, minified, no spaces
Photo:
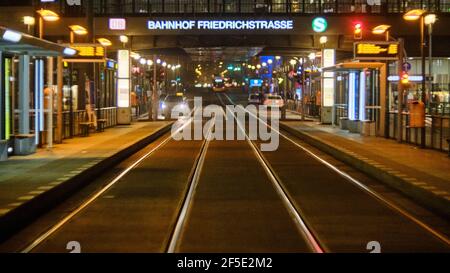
{"x":271,"y":100}
{"x":173,"y":102}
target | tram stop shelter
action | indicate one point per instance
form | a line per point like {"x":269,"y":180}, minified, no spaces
{"x":23,"y":59}
{"x":360,"y":97}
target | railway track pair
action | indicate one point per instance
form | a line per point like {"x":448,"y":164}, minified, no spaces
{"x":304,"y":227}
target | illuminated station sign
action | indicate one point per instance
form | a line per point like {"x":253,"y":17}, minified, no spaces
{"x":220,"y":24}
{"x":88,"y":53}
{"x":376,"y":50}
{"x":319,"y":24}
{"x":117,"y":24}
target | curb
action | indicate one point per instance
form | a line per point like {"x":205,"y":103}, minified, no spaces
{"x":425,"y":197}
{"x":18,"y":218}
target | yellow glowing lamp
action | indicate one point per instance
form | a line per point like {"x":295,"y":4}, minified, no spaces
{"x":78,"y":30}
{"x":123,"y":39}
{"x":413,"y":14}
{"x":29,"y":20}
{"x":430,"y":19}
{"x":104,"y":42}
{"x":48,"y":15}
{"x":381,"y":29}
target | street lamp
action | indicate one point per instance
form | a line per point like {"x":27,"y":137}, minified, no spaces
{"x":48,"y":16}
{"x":135,"y":56}
{"x":385,"y":29}
{"x":78,"y":30}
{"x":429,"y":20}
{"x":29,"y":21}
{"x":382,"y":29}
{"x":123,"y":39}
{"x":104,"y":42}
{"x":414,"y":15}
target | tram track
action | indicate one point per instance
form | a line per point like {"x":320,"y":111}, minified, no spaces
{"x":201,"y":196}
{"x":49,"y":232}
{"x":354,"y":181}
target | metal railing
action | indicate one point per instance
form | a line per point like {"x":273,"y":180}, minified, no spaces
{"x":437,"y":127}
{"x":310,"y":108}
{"x":145,"y":7}
{"x":71,"y":129}
{"x":437,"y":131}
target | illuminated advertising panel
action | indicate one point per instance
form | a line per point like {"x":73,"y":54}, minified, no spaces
{"x":123,"y":81}
{"x":123,"y":92}
{"x":376,"y":50}
{"x":329,"y":59}
{"x":7,"y":97}
{"x":123,"y":62}
{"x":328,"y":92}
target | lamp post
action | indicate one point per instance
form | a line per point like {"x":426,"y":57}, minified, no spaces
{"x":29,"y":21}
{"x":48,"y":16}
{"x":429,"y":20}
{"x":105,"y":43}
{"x":385,"y":29}
{"x":414,"y":15}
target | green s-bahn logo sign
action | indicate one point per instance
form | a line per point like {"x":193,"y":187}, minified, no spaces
{"x":319,"y":24}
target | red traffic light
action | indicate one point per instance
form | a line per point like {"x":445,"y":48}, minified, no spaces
{"x":405,"y":78}
{"x":357,"y":31}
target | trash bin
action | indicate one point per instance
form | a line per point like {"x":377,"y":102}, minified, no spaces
{"x":354,"y":126}
{"x":343,"y":123}
{"x":24,"y":144}
{"x":367,"y":128}
{"x":3,"y":150}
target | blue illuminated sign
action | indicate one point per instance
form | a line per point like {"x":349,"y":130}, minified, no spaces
{"x":221,"y":25}
{"x":255,"y":82}
{"x":110,"y":64}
